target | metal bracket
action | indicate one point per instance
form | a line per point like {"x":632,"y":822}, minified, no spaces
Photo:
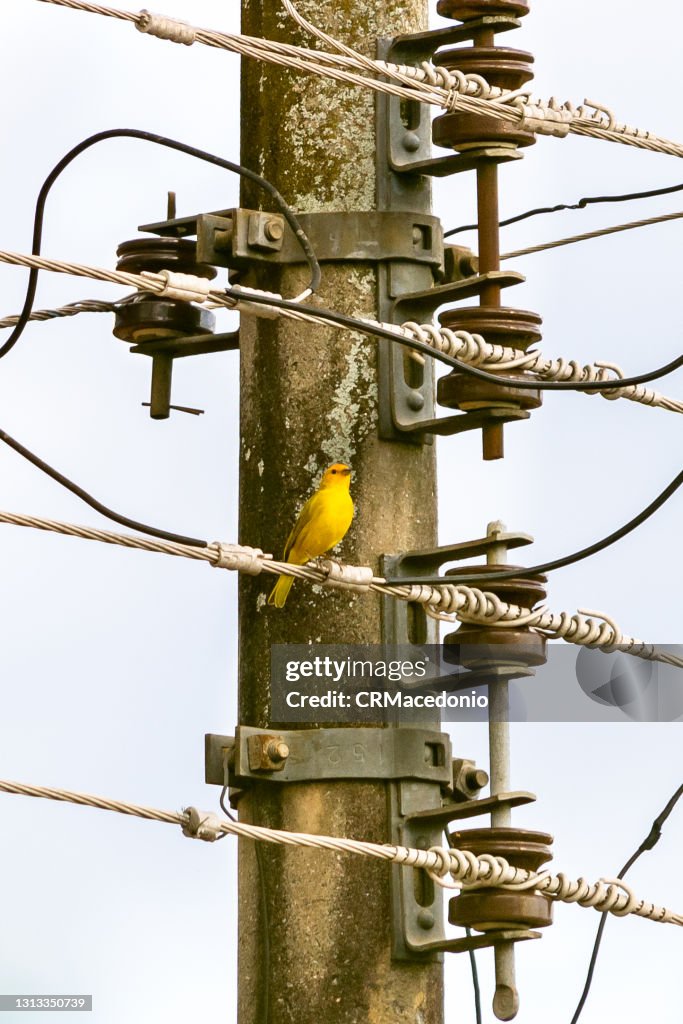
{"x":406,"y":290}
{"x":239,"y":238}
{"x":164,"y":351}
{"x":404,"y":622}
{"x":409,"y":123}
{"x":418,"y":920}
{"x":317,"y":754}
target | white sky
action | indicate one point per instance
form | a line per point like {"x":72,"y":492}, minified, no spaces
{"x":116,"y":663}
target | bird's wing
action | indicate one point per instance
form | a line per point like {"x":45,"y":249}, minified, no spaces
{"x":304,"y":519}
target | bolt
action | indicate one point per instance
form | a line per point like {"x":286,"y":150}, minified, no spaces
{"x":418,"y":237}
{"x":425,"y":919}
{"x":476,"y":778}
{"x":274,"y":230}
{"x":416,"y":401}
{"x":411,"y":142}
{"x":277,"y":750}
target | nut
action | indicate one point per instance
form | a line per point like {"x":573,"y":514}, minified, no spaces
{"x":274,"y":230}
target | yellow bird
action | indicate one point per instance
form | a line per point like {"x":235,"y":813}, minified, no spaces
{"x":322,"y":523}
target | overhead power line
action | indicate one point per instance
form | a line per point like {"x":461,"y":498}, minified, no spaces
{"x":651,"y":840}
{"x":565,"y":560}
{"x":369,"y":327}
{"x":448,"y":602}
{"x":447,"y":866}
{"x":439,"y":86}
{"x":581,"y":204}
{"x":598,"y":233}
{"x":195,"y":289}
{"x":116,"y":517}
{"x":159,"y":140}
{"x":71,"y":309}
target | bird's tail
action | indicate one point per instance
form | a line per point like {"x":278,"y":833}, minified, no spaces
{"x":278,"y":594}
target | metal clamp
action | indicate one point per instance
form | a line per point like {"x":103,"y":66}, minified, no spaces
{"x":311,"y":755}
{"x":239,"y":238}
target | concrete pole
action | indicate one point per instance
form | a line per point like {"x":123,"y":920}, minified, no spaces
{"x":309,"y":398}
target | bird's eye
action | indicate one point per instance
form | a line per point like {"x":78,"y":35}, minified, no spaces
{"x":334,"y":470}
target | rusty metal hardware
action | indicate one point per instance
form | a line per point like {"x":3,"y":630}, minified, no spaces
{"x":479,"y":143}
{"x":508,"y":69}
{"x":165,"y":329}
{"x":468,"y":780}
{"x":267,"y":752}
{"x":496,"y":656}
{"x":406,"y":389}
{"x":409,"y":126}
{"x":411,"y":291}
{"x":240,"y":238}
{"x":422,"y":755}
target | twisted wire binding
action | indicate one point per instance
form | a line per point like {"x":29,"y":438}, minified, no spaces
{"x":442,"y":87}
{"x":470,"y":348}
{"x":448,"y":602}
{"x":473,"y":349}
{"x":449,"y":868}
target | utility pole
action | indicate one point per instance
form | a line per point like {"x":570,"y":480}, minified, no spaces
{"x":322,"y":950}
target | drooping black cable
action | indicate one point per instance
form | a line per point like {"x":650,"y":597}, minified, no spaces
{"x":353,"y":323}
{"x":160,"y":140}
{"x":581,"y":205}
{"x":132,"y":524}
{"x":556,"y":563}
{"x":650,"y":840}
{"x":475,"y":980}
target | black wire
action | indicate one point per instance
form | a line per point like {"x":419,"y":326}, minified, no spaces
{"x":265,"y":931}
{"x":650,"y":840}
{"x":93,"y":502}
{"x":475,"y":980}
{"x":419,"y":346}
{"x":226,"y":812}
{"x":581,"y":205}
{"x":160,"y":140}
{"x":557,"y":563}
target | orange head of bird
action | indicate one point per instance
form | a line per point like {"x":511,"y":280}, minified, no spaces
{"x":337,"y":475}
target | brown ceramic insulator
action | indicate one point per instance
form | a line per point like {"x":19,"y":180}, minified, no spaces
{"x":474,"y":647}
{"x":489,"y":909}
{"x":506,"y":68}
{"x":515,"y":328}
{"x":154,"y":254}
{"x":521,"y":847}
{"x":518,"y":328}
{"x":461,"y":131}
{"x":468,"y":10}
{"x":516,"y":645}
{"x":149,"y":318}
{"x":462,"y":391}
